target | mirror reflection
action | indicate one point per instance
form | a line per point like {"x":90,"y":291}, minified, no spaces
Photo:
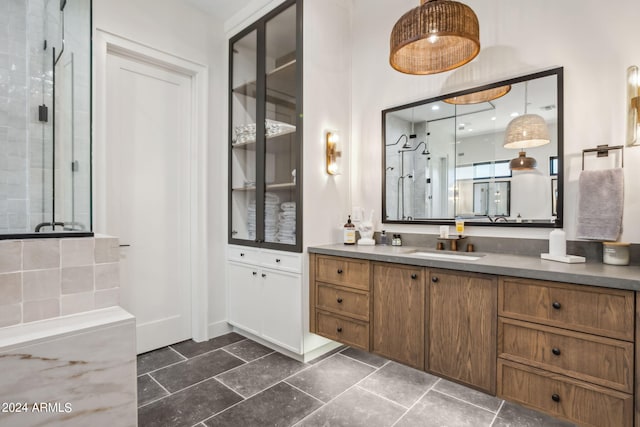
{"x":487,"y":155}
{"x":45,"y":117}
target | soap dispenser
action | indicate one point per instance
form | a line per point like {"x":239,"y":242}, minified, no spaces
{"x":349,"y":233}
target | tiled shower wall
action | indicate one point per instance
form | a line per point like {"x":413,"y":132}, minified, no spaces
{"x":26,"y":144}
{"x":41,"y":279}
{"x":13,"y":116}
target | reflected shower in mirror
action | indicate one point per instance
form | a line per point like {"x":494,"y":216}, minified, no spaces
{"x":451,"y":156}
{"x":45,"y":117}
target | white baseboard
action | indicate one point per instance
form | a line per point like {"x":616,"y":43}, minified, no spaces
{"x":219,"y":328}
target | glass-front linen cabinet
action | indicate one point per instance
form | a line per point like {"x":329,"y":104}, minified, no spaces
{"x":265,"y":131}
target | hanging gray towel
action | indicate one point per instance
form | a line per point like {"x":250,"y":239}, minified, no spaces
{"x":601,"y":204}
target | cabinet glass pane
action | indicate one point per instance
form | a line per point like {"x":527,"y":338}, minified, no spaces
{"x":243,"y":138}
{"x":281,"y":147}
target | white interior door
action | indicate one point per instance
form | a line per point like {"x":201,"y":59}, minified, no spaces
{"x":147,"y":159}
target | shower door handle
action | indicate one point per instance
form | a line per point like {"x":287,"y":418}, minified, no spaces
{"x":125,"y":246}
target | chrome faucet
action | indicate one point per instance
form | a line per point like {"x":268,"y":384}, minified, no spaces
{"x":498,"y":218}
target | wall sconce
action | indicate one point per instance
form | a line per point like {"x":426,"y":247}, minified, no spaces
{"x":332,"y":139}
{"x":633,"y":105}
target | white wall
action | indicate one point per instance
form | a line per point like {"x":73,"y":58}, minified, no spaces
{"x":176,"y":28}
{"x":594,"y":42}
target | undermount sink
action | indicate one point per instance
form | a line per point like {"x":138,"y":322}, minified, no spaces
{"x":443,"y":255}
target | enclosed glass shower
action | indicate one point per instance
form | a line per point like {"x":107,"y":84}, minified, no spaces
{"x":45,"y":116}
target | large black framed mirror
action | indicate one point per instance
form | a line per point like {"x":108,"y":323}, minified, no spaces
{"x":450,"y":157}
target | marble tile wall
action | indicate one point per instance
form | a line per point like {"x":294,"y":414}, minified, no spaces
{"x":46,"y":278}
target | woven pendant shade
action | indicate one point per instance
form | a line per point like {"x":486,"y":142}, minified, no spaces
{"x":526,"y":131}
{"x":478,"y":97}
{"x":437,"y":36}
{"x":522,"y":162}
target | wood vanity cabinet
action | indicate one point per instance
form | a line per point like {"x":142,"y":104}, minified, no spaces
{"x":567,"y":350}
{"x":399,"y":313}
{"x":339,"y":298}
{"x":564,"y":349}
{"x":462,"y":327}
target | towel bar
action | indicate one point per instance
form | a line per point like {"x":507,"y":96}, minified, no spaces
{"x":603,"y":151}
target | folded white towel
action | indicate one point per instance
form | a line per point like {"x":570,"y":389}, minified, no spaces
{"x":600,"y":205}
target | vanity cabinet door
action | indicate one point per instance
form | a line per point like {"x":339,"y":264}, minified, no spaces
{"x":462,"y":327}
{"x":398,"y":313}
{"x":245,"y":297}
{"x":282,"y":302}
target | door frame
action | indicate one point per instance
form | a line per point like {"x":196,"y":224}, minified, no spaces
{"x":105,"y":43}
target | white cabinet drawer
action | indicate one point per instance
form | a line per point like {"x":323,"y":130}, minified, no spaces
{"x":281,"y":261}
{"x":243,"y":254}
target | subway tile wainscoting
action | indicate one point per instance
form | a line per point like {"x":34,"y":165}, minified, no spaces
{"x":46,"y":278}
{"x":233,"y":381}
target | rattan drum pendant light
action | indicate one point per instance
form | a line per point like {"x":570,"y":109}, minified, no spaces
{"x":437,"y":36}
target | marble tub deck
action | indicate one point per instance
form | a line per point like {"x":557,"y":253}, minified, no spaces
{"x":72,"y":371}
{"x":233,"y":381}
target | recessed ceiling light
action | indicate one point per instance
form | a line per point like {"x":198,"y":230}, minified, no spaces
{"x":435,"y":107}
{"x":514,"y":114}
{"x":470,"y":130}
{"x":493,"y":118}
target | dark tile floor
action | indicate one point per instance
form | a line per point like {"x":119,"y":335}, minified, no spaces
{"x":235,"y":382}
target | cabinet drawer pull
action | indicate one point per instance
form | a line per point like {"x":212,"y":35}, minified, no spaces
{"x":556,"y":305}
{"x":264,"y":275}
{"x":339,"y":300}
{"x":339,"y":271}
{"x":414,"y":276}
{"x":339,"y":330}
{"x":556,"y":351}
{"x":255,"y":273}
{"x":278,"y":260}
{"x":555,"y":397}
{"x":434,"y":279}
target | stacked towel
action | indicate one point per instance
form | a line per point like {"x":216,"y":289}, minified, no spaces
{"x":601,"y":204}
{"x":287,"y":223}
{"x":271,"y":210}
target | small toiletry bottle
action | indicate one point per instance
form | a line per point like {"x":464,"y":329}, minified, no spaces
{"x":519,"y":219}
{"x":394,"y":240}
{"x":399,"y":240}
{"x":349,"y":233}
{"x":459,"y":226}
{"x":383,"y":237}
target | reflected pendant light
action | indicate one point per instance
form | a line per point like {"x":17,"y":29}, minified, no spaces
{"x":478,"y":97}
{"x":437,"y":36}
{"x":526,"y":131}
{"x":522,"y":162}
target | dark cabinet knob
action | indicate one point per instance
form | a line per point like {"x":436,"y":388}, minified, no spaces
{"x":339,"y":300}
{"x":255,"y":273}
{"x":414,"y":276}
{"x":339,"y":330}
{"x":339,"y":271}
{"x":241,"y":253}
{"x":556,"y":305}
{"x":264,"y":275}
{"x":555,"y":397}
{"x":556,"y":351}
{"x":277,"y":259}
{"x":434,"y":279}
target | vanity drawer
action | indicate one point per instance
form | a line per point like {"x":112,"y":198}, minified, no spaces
{"x":563,"y":397}
{"x":599,"y":360}
{"x":337,"y":328}
{"x":243,"y":254}
{"x":348,"y":272}
{"x":282,"y":261}
{"x":343,"y":301}
{"x":601,"y":311}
